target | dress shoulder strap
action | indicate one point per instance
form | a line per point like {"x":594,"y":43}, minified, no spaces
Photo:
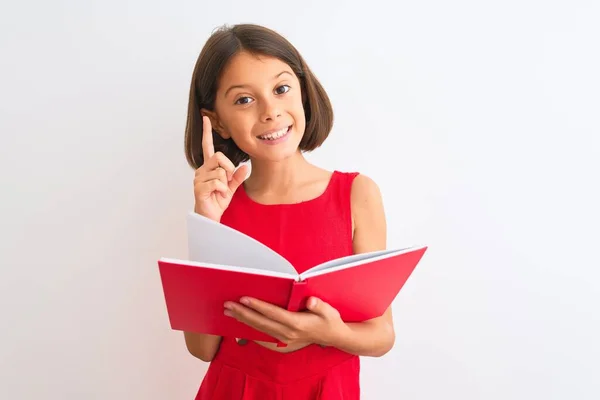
{"x":342,"y":184}
{"x":340,"y":197}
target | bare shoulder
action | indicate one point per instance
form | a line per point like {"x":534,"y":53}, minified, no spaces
{"x":365,"y":193}
{"x":368,"y":215}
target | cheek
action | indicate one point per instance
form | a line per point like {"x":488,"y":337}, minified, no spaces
{"x":244,"y":123}
{"x":237,"y":124}
{"x":300,"y":118}
{"x":297,"y":109}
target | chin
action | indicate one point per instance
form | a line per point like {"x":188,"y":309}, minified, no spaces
{"x":278,"y":155}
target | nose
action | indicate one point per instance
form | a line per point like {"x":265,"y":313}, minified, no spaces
{"x":270,"y":110}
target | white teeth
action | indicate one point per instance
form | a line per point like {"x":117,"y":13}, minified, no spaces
{"x":274,"y":135}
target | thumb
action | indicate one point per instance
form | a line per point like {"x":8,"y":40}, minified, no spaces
{"x":239,"y":176}
{"x":321,"y":308}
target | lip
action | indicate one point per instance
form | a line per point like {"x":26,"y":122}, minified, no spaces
{"x":275,"y":130}
{"x":279,"y":140}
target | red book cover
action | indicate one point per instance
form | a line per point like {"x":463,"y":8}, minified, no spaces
{"x":360,"y":287}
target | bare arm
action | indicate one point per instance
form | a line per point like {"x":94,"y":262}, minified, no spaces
{"x":202,"y":346}
{"x":374,"y":337}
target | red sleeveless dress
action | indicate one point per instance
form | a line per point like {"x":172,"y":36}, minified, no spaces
{"x":306,"y":234}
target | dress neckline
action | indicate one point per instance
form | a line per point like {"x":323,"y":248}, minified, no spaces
{"x":318,"y":198}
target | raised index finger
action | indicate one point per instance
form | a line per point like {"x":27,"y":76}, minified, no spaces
{"x":208,"y":149}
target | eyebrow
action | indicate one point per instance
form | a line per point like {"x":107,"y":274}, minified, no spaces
{"x":245,"y":86}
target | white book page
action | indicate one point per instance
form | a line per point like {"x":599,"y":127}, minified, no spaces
{"x":352,"y":260}
{"x":214,"y":243}
{"x":253,"y":271}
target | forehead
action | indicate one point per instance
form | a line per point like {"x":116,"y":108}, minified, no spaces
{"x":251,"y":69}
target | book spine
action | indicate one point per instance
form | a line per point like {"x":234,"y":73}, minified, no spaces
{"x":297,"y":300}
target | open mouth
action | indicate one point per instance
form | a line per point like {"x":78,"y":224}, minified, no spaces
{"x":276,"y":135}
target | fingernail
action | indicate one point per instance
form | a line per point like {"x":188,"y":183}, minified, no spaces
{"x":227,"y":312}
{"x":245,"y":300}
{"x":228,"y":306}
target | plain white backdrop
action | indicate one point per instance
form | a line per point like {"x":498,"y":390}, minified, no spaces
{"x":479,"y":120}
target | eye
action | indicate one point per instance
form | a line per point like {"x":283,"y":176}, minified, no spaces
{"x":282,"y":89}
{"x":243,"y":100}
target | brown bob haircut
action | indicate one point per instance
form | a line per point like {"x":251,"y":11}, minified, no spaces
{"x":224,"y":43}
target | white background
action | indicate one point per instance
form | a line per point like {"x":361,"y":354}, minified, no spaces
{"x":479,"y":121}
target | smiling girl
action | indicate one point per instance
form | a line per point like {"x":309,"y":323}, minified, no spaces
{"x":253,"y":98}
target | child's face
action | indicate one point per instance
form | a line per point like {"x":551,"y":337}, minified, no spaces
{"x":258,"y":96}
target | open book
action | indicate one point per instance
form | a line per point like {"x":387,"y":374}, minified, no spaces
{"x":225,"y":265}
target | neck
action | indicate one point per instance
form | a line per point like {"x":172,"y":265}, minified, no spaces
{"x":277,"y":176}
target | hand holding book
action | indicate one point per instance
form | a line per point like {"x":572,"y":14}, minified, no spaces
{"x":320,"y":324}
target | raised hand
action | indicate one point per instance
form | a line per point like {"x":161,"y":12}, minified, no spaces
{"x":216,"y":180}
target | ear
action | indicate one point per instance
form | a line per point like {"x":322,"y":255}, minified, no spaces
{"x":216,"y":123}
